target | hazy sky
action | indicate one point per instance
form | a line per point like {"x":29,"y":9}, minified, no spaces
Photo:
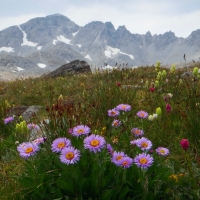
{"x":139,"y":16}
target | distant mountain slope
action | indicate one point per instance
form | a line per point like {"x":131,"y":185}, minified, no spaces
{"x":45,"y":43}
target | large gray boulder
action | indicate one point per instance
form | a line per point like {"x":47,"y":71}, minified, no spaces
{"x":73,"y":67}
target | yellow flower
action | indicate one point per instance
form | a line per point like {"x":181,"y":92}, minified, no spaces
{"x":82,"y":84}
{"x":174,"y":177}
{"x":104,"y":128}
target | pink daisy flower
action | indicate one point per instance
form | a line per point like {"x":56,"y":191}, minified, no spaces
{"x":144,"y":143}
{"x":123,"y":107}
{"x":59,"y":144}
{"x":126,"y":162}
{"x":137,"y":132}
{"x":116,"y":123}
{"x":69,"y":155}
{"x":113,"y":112}
{"x":32,"y":126}
{"x":80,"y":130}
{"x":27,"y":149}
{"x":94,"y":143}
{"x":143,"y":160}
{"x":8,"y":120}
{"x":142,"y":114}
{"x":117,"y":156}
{"x":39,"y":140}
{"x":162,"y":151}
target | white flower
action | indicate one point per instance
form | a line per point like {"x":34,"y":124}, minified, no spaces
{"x":170,"y":95}
{"x":151,"y":117}
{"x":155,"y":116}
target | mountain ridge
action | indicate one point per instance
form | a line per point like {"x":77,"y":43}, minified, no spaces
{"x":55,"y":40}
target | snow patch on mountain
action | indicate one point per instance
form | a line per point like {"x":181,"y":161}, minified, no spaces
{"x":79,"y":45}
{"x":7,"y":49}
{"x":75,"y":33}
{"x":54,"y":42}
{"x":19,"y":69}
{"x":41,"y":65}
{"x":131,"y":56}
{"x":39,"y":47}
{"x":25,"y":41}
{"x":110,"y":51}
{"x":61,"y":38}
{"x":88,"y":57}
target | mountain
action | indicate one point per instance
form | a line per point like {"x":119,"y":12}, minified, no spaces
{"x":45,"y":43}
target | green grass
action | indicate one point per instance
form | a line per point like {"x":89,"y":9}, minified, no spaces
{"x":86,"y":100}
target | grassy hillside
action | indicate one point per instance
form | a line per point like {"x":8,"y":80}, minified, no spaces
{"x":171,"y":102}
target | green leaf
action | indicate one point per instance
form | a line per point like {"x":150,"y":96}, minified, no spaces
{"x":107,"y":194}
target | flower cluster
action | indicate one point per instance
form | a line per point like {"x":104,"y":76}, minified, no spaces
{"x":121,"y":159}
{"x":8,"y":120}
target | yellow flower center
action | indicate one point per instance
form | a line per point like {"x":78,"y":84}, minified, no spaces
{"x":137,"y":132}
{"x":61,"y":145}
{"x":118,"y":158}
{"x":116,"y":123}
{"x":94,"y":143}
{"x":113,"y":112}
{"x":123,"y":107}
{"x":125,"y":163}
{"x":69,"y":155}
{"x":29,"y":150}
{"x":162,"y":151}
{"x":144,"y":144}
{"x":143,"y":161}
{"x":142,"y":114}
{"x":80,"y":131}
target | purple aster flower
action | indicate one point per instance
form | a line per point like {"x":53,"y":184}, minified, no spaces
{"x":113,"y":112}
{"x":144,"y":143}
{"x":137,"y":132}
{"x":116,"y":123}
{"x":8,"y":119}
{"x":32,"y":126}
{"x":94,"y":143}
{"x":21,"y":146}
{"x":133,"y":142}
{"x":117,"y":156}
{"x":70,"y":131}
{"x":109,"y":149}
{"x":162,"y":151}
{"x":80,"y":130}
{"x":39,"y":140}
{"x":27,"y":149}
{"x":69,"y":155}
{"x":123,"y":107}
{"x":143,"y":160}
{"x":126,"y":162}
{"x":59,"y":144}
{"x":142,"y":114}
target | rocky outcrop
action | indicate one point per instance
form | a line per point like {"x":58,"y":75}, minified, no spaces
{"x":73,"y":67}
